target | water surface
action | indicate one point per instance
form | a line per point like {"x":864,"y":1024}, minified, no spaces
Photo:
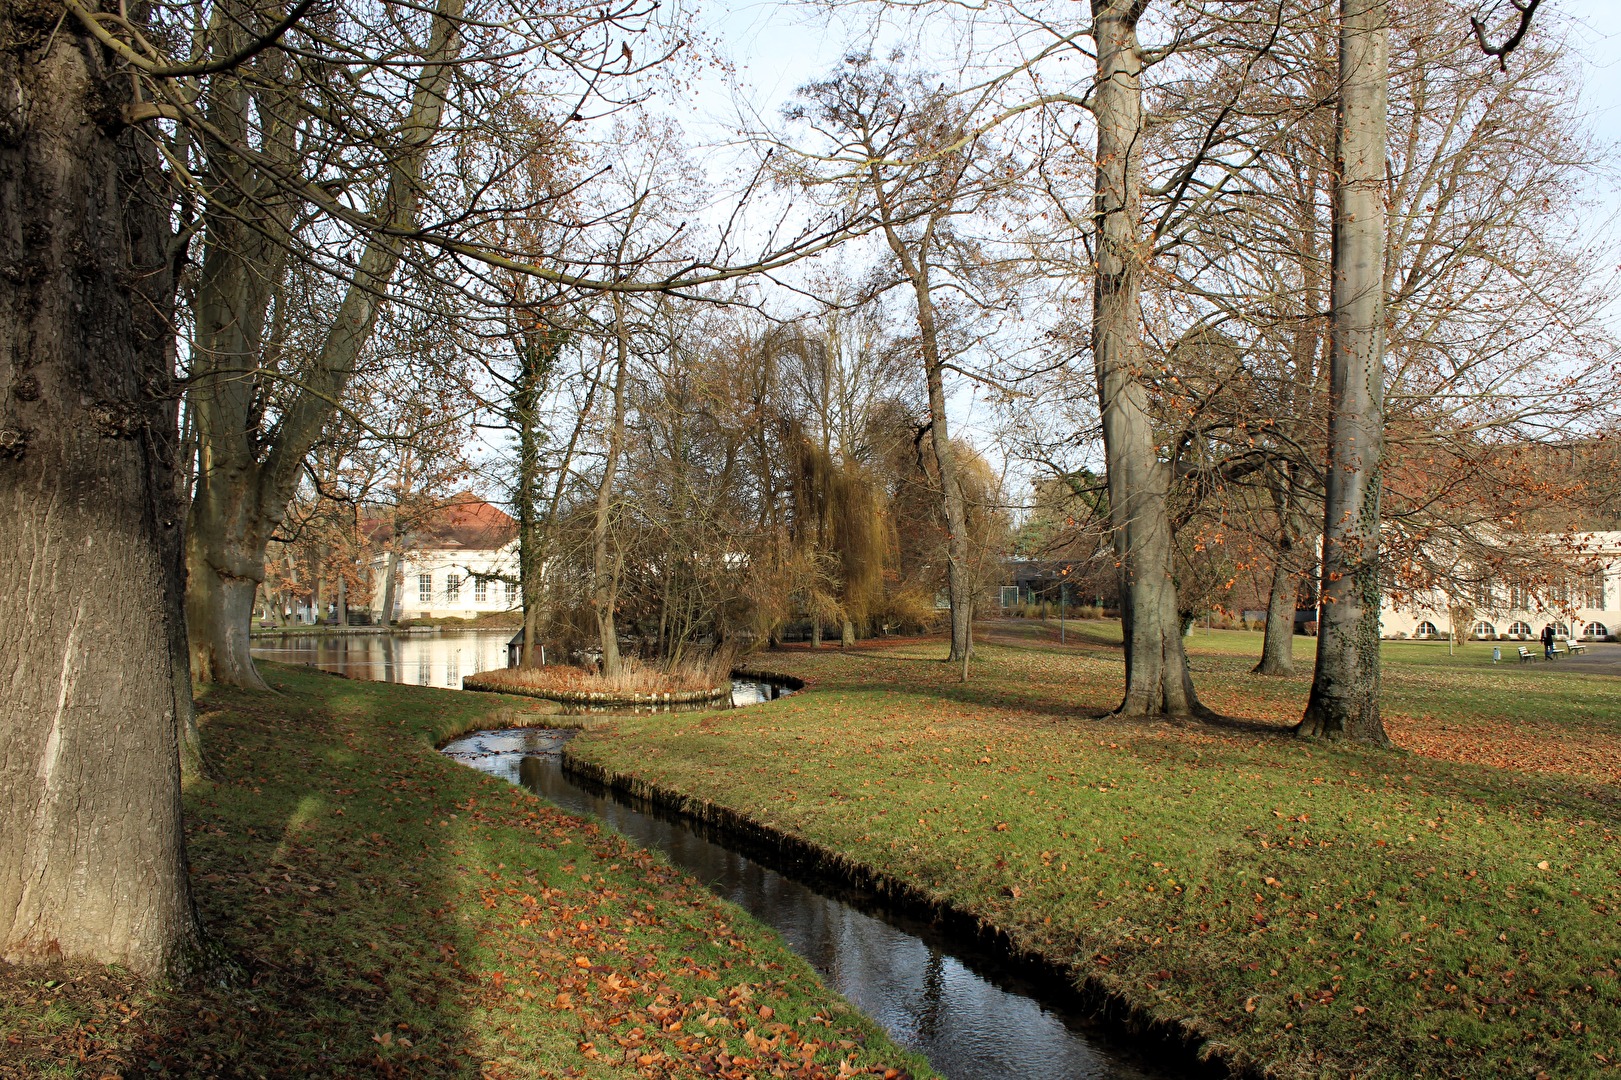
{"x":973,"y":1018}
{"x":434,"y":659}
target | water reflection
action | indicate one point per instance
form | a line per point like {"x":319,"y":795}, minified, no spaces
{"x":399,"y":658}
{"x":971,"y":1022}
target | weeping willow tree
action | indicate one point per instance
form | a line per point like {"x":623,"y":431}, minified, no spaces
{"x":843,"y":534}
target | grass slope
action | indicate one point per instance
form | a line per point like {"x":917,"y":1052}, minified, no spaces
{"x":384,"y":911}
{"x":1314,"y":910}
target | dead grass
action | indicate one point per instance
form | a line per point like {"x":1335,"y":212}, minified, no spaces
{"x":712,"y":672}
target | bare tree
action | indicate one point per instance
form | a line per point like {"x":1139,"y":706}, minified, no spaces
{"x":1344,"y":699}
{"x":910,"y":158}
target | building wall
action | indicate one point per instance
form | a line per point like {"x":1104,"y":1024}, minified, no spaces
{"x":1592,"y":612}
{"x":445,"y":583}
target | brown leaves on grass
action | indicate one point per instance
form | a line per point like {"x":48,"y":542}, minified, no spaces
{"x":1525,"y":745}
{"x":83,"y":1015}
{"x":445,"y":925}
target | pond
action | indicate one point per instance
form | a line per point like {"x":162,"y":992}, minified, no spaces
{"x":432,"y":659}
{"x":975,"y":1016}
{"x":436,"y":659}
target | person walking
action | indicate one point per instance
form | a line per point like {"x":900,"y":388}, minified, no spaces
{"x":1547,"y":642}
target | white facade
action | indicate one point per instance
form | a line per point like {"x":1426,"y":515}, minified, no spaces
{"x":1588,"y":608}
{"x":452,"y":582}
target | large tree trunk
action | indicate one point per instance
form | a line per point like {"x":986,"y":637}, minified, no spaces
{"x":343,"y":598}
{"x":1157,"y":678}
{"x":1344,"y":702}
{"x":92,"y":862}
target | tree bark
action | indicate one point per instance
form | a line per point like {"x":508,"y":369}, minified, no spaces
{"x":962,"y":614}
{"x":1344,"y":702}
{"x":605,"y":570}
{"x":391,"y":577}
{"x":92,"y":859}
{"x":1278,"y":648}
{"x":1157,"y":677}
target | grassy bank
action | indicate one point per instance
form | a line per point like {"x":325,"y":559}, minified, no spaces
{"x":1320,"y":910}
{"x":380,"y":910}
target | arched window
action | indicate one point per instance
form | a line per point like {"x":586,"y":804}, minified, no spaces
{"x":1425,"y":629}
{"x":1519,"y":630}
{"x":1484,"y":629}
{"x":1596,"y":630}
{"x":1561,"y":630}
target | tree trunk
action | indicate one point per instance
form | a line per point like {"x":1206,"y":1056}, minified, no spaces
{"x":92,"y":862}
{"x":1157,"y":678}
{"x":605,"y":570}
{"x":1278,"y":647}
{"x":916,"y":267}
{"x":1344,"y":702}
{"x":343,"y":598}
{"x":962,"y":616}
{"x":225,"y":562}
{"x":391,"y":577}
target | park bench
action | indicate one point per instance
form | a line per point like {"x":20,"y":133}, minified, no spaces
{"x":1576,"y":647}
{"x":1553,"y":653}
{"x":1525,"y":654}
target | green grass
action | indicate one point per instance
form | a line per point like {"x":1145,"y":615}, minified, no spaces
{"x":377,"y":909}
{"x":1319,"y":909}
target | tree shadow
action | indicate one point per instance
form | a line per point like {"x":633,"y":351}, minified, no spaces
{"x":332,"y":932}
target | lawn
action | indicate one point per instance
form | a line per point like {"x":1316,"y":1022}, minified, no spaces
{"x":1449,"y":909}
{"x":375,"y":909}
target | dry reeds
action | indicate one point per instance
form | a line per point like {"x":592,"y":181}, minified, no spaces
{"x":636,"y":677}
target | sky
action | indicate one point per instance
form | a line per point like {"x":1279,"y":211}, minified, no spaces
{"x":778,"y":47}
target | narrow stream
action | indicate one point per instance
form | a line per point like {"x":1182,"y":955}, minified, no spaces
{"x":972,"y":1020}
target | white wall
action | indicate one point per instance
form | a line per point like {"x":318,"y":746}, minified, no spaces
{"x":440,"y":567}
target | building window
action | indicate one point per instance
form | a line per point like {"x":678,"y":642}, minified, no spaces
{"x":1519,"y":630}
{"x":1519,"y":598}
{"x":1593,"y":590}
{"x":1425,"y":629}
{"x":512,"y":593}
{"x":453,"y":587}
{"x":1560,"y":630}
{"x":1596,"y":630}
{"x":481,"y":590}
{"x":1484,"y":630}
{"x":424,"y":588}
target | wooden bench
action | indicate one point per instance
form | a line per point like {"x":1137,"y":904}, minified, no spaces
{"x":1554,"y":653}
{"x":1576,"y":647}
{"x":1525,"y":654}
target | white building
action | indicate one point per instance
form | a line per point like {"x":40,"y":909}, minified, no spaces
{"x":1587,"y":607}
{"x":461,"y":563}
